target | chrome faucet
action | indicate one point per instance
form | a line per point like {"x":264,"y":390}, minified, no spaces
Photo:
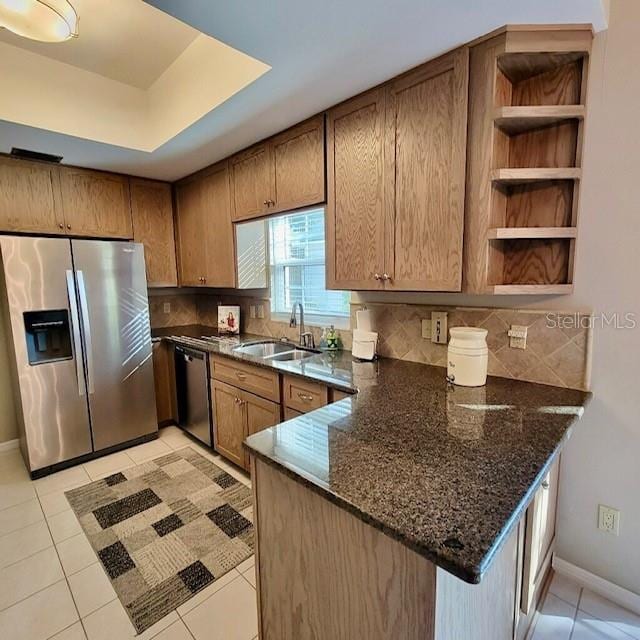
{"x":306,"y":337}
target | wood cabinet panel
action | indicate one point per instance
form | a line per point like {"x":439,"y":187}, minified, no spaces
{"x":303,"y":395}
{"x":426,"y":129}
{"x":257,"y":380}
{"x":261,"y":414}
{"x":164,"y":380}
{"x":299,"y":166}
{"x":251,"y":183}
{"x":191,"y":236}
{"x":230,"y":424}
{"x":289,"y":413}
{"x":96,"y":204}
{"x":152,"y":215}
{"x":29,"y":197}
{"x":355,"y":193}
{"x":215,"y":199}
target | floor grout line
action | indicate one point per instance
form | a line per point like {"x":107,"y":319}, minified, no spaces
{"x":575,"y":614}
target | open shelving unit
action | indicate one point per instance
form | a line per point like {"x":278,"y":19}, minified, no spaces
{"x":526,"y":127}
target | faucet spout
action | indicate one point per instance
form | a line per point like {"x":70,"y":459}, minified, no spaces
{"x":306,"y":338}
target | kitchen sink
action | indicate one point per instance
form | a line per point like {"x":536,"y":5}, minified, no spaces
{"x":280,"y":351}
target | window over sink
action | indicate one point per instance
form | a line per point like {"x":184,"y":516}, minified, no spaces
{"x":297,"y":266}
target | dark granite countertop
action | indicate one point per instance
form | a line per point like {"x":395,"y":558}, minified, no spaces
{"x":446,"y":470}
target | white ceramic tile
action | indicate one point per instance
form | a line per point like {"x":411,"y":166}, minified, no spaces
{"x":177,"y":631}
{"x":246,"y":564}
{"x":174,"y":437}
{"x":22,"y":579}
{"x":56,"y":501}
{"x":64,"y":525}
{"x":555,"y":620}
{"x":588,"y":627}
{"x":24,"y":542}
{"x":148,"y":451}
{"x":607,"y":611}
{"x":12,"y":467}
{"x":91,"y":589}
{"x":40,"y":616}
{"x":111,"y":622}
{"x":229,"y":614}
{"x":102,"y":467}
{"x":12,"y":493}
{"x":73,"y":477}
{"x":74,"y":632}
{"x":203,"y":595}
{"x":76,"y":553}
{"x":250,"y":576}
{"x":20,"y":516}
{"x":565,"y":588}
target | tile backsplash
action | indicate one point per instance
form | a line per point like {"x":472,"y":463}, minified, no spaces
{"x":557,"y":353}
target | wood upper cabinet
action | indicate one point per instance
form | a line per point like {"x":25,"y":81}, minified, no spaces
{"x":252,"y":183}
{"x":206,"y":246}
{"x":152,"y":214}
{"x":283,"y":173}
{"x":230,"y":424}
{"x":426,"y":128}
{"x":355,"y":193}
{"x":29,"y":197}
{"x":96,"y":204}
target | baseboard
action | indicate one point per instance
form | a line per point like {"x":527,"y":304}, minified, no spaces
{"x":9,"y":444}
{"x":609,"y":590}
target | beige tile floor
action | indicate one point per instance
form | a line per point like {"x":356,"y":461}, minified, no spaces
{"x":52,"y":585}
{"x":571,"y":612}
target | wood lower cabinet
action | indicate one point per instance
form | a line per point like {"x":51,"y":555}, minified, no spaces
{"x":355,"y":193}
{"x":164,"y":380}
{"x":303,"y":395}
{"x":283,"y":173}
{"x":96,"y":204}
{"x":239,"y":414}
{"x":152,"y":214}
{"x":206,"y":246}
{"x":30,"y":197}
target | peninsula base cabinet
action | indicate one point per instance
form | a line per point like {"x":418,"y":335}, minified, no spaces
{"x":319,"y":554}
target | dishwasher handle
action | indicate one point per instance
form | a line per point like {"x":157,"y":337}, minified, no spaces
{"x":190,"y":354}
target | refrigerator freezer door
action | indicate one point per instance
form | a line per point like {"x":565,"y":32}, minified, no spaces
{"x":52,"y":400}
{"x":114,"y":313}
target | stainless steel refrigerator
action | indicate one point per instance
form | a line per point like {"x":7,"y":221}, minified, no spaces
{"x":78,"y":317}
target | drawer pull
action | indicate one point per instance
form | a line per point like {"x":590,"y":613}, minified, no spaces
{"x":240,"y":375}
{"x":305,"y":397}
{"x":545,"y":484}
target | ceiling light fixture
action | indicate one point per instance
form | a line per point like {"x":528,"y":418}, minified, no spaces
{"x":44,"y":20}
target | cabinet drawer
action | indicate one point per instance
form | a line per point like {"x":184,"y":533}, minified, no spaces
{"x":289,"y":414}
{"x":257,"y":380}
{"x":303,"y":395}
{"x":336,"y":394}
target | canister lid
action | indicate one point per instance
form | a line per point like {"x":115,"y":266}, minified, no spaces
{"x":469,"y":334}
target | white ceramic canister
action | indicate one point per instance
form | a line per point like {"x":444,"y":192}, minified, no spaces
{"x":467,"y":356}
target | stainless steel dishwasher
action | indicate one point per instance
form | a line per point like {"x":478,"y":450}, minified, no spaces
{"x":192,"y":387}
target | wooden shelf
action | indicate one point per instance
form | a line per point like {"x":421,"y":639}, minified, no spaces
{"x":523,"y":176}
{"x":521,"y":65}
{"x":531,"y":289}
{"x":514,"y":120}
{"x":531,"y":233}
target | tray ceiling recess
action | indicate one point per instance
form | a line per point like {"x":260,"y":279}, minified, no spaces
{"x":134,"y":76}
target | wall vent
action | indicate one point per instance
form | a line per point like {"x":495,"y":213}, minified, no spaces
{"x":27,"y":154}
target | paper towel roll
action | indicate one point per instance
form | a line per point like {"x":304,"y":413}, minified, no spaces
{"x":363,"y":320}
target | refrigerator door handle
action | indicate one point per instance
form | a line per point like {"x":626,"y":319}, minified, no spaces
{"x":84,"y":312}
{"x":75,"y":327}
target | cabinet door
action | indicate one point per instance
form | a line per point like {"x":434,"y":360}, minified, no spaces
{"x":539,"y":537}
{"x":298,"y":156}
{"x":217,"y":228}
{"x":355,"y":193}
{"x":152,"y":213}
{"x":163,"y":375}
{"x":96,"y":204}
{"x":230,"y":427}
{"x":261,"y":414}
{"x":30,"y":197}
{"x":191,"y":237}
{"x":426,"y":157}
{"x":251,"y":183}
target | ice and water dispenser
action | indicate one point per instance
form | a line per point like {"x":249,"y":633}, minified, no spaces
{"x":48,"y":336}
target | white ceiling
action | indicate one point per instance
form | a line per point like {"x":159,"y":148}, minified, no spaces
{"x":320,"y":54}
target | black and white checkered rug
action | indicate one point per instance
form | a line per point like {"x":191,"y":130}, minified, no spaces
{"x":165,"y":529}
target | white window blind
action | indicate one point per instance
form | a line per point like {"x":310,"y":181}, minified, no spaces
{"x":297,"y":250}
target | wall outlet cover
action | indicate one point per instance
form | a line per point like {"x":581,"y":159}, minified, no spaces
{"x":608,"y":519}
{"x":260,"y":311}
{"x":252,"y":311}
{"x":166,"y":307}
{"x":517,"y":336}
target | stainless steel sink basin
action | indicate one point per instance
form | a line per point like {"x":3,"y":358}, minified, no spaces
{"x":280,"y":351}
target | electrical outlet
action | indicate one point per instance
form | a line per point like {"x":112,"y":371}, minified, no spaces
{"x":252,"y":311}
{"x":517,"y":336}
{"x":260,"y":311}
{"x":608,"y":519}
{"x":166,"y":307}
{"x":426,"y":329}
{"x":439,"y":327}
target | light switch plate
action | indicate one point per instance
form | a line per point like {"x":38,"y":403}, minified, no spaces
{"x":439,"y":329}
{"x":260,"y":310}
{"x":252,"y":311}
{"x":517,"y":336}
{"x":166,"y":307}
{"x":426,"y":329}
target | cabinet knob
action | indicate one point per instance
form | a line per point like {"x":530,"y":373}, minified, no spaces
{"x":68,"y":226}
{"x":545,"y":484}
{"x":266,"y":203}
{"x":386,"y":276}
{"x":61,"y":225}
{"x":377,"y":276}
{"x":272,"y":203}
